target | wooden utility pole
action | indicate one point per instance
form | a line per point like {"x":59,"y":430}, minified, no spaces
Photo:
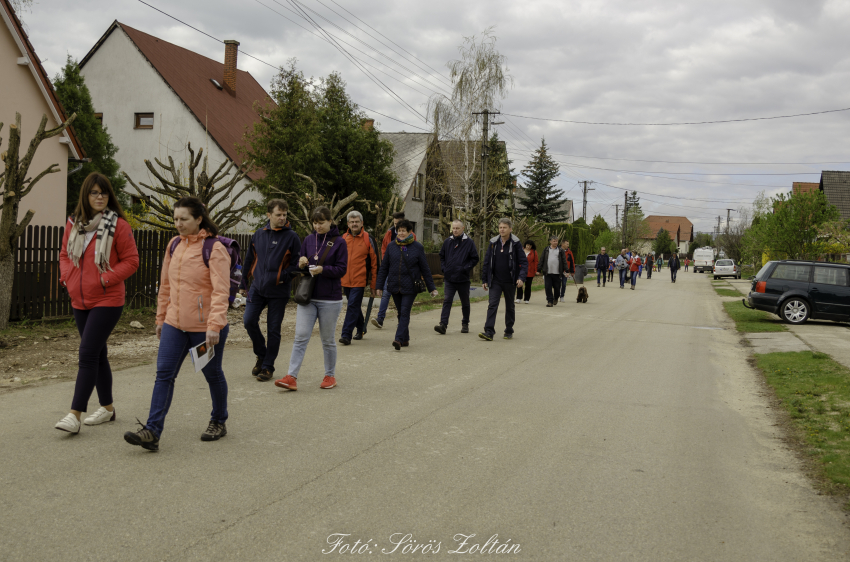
{"x":625,"y":216}
{"x":617,"y":214}
{"x":584,"y":200}
{"x":485,"y":153}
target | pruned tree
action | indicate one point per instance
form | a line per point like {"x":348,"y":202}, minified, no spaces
{"x":310,"y":200}
{"x":384,"y":214}
{"x":219,"y":199}
{"x":15,"y":184}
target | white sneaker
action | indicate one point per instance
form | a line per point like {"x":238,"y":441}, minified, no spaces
{"x":526,"y":302}
{"x":517,"y":300}
{"x":69,"y":423}
{"x":102,"y":415}
{"x":562,"y":299}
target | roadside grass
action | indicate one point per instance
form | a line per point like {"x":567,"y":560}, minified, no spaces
{"x":727,"y":292}
{"x":747,"y":320}
{"x":815,"y":391}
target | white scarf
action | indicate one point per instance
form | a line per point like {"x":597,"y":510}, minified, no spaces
{"x":105,"y":224}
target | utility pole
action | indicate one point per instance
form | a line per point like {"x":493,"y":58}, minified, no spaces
{"x":485,"y":152}
{"x":625,"y":215}
{"x":727,"y":220}
{"x":717,"y":233}
{"x":584,"y":199}
{"x":617,"y":214}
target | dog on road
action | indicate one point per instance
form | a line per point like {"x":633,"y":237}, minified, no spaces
{"x":582,"y":294}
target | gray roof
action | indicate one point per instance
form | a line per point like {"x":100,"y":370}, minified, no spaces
{"x":410,"y":151}
{"x":836,"y":187}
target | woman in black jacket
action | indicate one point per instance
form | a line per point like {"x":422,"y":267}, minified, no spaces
{"x":401,"y":267}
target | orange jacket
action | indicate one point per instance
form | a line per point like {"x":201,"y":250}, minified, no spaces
{"x":191,"y":297}
{"x":359,"y":250}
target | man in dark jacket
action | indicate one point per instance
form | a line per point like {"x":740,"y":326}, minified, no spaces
{"x":553,"y":267}
{"x":673,"y":263}
{"x":571,"y":266}
{"x":602,"y":261}
{"x":271,"y":260}
{"x":505,"y":268}
{"x":389,"y":237}
{"x":457,"y":258}
{"x":650,"y":265}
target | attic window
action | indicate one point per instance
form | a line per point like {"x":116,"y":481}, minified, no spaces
{"x":144,"y":121}
{"x":215,"y":83}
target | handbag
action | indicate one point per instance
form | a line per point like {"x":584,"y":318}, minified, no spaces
{"x":303,"y":290}
{"x":418,"y":284}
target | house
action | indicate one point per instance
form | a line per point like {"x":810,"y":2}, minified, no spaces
{"x":680,"y":228}
{"x":566,"y":206}
{"x":26,"y":89}
{"x":804,"y":187}
{"x":836,"y":187}
{"x":154,"y":96}
{"x":410,"y":164}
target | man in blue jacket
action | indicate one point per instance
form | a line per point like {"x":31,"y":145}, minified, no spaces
{"x":505,"y":267}
{"x":271,"y":260}
{"x":457,"y":258}
{"x":602,"y":261}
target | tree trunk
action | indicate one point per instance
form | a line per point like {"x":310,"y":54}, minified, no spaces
{"x":7,"y":274}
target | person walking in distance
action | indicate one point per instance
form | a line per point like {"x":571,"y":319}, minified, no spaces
{"x":571,"y":266}
{"x":640,"y":267}
{"x":389,"y":238}
{"x":504,"y":269}
{"x":553,"y":266}
{"x":270,"y":261}
{"x":650,"y":264}
{"x":191,"y":310}
{"x":458,"y":257}
{"x":603,"y":260}
{"x":634,"y":267}
{"x":98,"y":253}
{"x":530,"y":249}
{"x":610,"y":270}
{"x":674,"y":266}
{"x":622,"y":265}
{"x":323,"y":245}
{"x":362,"y":273}
{"x":687,"y":262}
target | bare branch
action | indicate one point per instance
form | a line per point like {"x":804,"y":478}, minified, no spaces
{"x":51,"y":170}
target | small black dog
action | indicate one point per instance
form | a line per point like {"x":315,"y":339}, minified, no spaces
{"x":582,"y":294}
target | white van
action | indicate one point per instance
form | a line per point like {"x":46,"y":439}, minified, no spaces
{"x":703,"y":260}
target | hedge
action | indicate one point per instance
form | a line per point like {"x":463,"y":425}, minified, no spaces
{"x":581,"y":240}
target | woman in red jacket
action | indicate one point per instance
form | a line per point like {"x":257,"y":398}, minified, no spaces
{"x":532,"y":257}
{"x":98,"y":253}
{"x":634,"y":266}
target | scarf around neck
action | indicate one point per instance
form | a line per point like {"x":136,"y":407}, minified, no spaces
{"x":406,"y":242}
{"x":104,"y":223}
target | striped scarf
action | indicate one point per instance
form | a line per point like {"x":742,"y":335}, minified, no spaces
{"x":406,"y":242}
{"x":105,"y":224}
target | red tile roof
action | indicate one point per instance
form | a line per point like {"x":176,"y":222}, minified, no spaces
{"x":805,"y":187}
{"x":671,"y":225}
{"x":226,"y":115}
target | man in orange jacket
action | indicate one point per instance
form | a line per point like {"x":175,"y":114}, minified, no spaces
{"x":362,"y":272}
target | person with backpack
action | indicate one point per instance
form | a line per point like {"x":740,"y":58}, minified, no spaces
{"x":194,"y":295}
{"x":571,"y":266}
{"x":634,"y":268}
{"x":389,"y":238}
{"x":602,"y":263}
{"x":674,"y":266}
{"x":622,"y":265}
{"x":362,"y":272}
{"x":270,"y":261}
{"x":402,"y":270}
{"x":324,"y":257}
{"x":458,"y":257}
{"x":98,"y":253}
{"x":553,"y":267}
{"x":505,"y":268}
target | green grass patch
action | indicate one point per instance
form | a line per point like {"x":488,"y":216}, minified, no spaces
{"x":748,"y":320}
{"x":815,"y":391}
{"x":727,"y":292}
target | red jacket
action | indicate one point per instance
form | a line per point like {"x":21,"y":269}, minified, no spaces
{"x":83,"y":283}
{"x":634,"y":263}
{"x":389,"y":237}
{"x":532,"y":263}
{"x":360,"y":251}
{"x":571,"y":261}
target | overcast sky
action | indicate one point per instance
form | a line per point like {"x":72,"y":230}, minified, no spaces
{"x":654,"y":61}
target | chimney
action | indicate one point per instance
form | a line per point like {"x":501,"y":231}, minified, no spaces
{"x":368,"y":124}
{"x":231,"y":49}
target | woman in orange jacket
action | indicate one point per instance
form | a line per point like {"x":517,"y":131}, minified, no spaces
{"x":191,"y":310}
{"x":98,"y":253}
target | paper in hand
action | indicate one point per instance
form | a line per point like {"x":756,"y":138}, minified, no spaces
{"x":201,"y":354}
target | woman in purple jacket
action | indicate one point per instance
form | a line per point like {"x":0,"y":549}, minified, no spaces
{"x":326,"y":302}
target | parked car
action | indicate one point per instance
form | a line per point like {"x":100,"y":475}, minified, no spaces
{"x":590,"y":262}
{"x":798,"y":290}
{"x":703,"y":260}
{"x":726,"y":268}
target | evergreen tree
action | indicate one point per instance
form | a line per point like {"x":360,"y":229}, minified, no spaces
{"x":663,"y":243}
{"x":598,"y":225}
{"x":541,"y":200}
{"x":74,"y":96}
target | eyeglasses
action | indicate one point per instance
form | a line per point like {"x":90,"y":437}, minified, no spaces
{"x":98,"y":195}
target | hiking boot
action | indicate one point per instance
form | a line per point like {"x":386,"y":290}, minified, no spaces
{"x":101,"y":415}
{"x":288,"y":382}
{"x":405,"y":343}
{"x":397,"y":345}
{"x":508,"y":336}
{"x":345,"y":341}
{"x":598,"y":285}
{"x":214,"y":431}
{"x":485,"y":336}
{"x":377,"y":323}
{"x":464,"y":329}
{"x":143,"y":438}
{"x":358,"y":336}
{"x":440,"y":328}
{"x":265,"y":375}
{"x":328,"y":382}
{"x":257,"y":367}
{"x":549,"y":305}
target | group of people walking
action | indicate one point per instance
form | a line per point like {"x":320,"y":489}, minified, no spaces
{"x":630,"y":267}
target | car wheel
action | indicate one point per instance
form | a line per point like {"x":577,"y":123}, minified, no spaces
{"x":715,"y":278}
{"x":795,"y":310}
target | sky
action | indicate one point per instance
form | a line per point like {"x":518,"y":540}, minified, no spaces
{"x":613,"y":61}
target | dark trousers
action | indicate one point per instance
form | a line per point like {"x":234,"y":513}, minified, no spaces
{"x":649,"y":272}
{"x":403,"y":303}
{"x":610,"y":275}
{"x":354,"y":319}
{"x":173,"y":348}
{"x":449,"y":290}
{"x":551,"y":285}
{"x":601,"y":274}
{"x":94,"y":326}
{"x":497,"y":290}
{"x":265,"y":350}
{"x":673,"y":273}
{"x":526,"y":288}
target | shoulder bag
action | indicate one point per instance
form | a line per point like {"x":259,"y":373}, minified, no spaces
{"x":303,"y":291}
{"x":418,"y":284}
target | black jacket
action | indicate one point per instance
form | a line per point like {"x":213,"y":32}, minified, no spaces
{"x":543,"y":264}
{"x":399,"y":278}
{"x":673,"y":263}
{"x":457,"y":258}
{"x":271,"y":260}
{"x":602,"y":261}
{"x":517,"y":260}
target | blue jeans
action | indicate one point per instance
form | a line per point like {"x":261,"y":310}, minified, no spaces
{"x":274,"y":318}
{"x":327,"y":313}
{"x":403,"y":303}
{"x":450,"y":289}
{"x":673,"y":273}
{"x":354,"y":319}
{"x":623,"y":273}
{"x":173,"y":348}
{"x":563,"y":285}
{"x":634,"y":278}
{"x":385,"y":303}
{"x":601,"y":274}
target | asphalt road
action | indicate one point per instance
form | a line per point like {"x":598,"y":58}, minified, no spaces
{"x":627,"y":428}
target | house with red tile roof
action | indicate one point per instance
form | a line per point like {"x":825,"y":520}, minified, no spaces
{"x":680,"y":228}
{"x":804,"y":187}
{"x":26,"y":89}
{"x":155,"y":96}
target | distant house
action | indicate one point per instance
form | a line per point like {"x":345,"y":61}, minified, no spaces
{"x":681,"y":231}
{"x":804,"y":187}
{"x":410,"y":166}
{"x":26,"y":89}
{"x":836,"y":187}
{"x":566,"y":206}
{"x":154,"y":96}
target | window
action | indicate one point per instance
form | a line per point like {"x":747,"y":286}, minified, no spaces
{"x":144,"y":121}
{"x":725,"y":262}
{"x":792,"y":272}
{"x":99,"y":117}
{"x":418,"y":186}
{"x":831,"y":276}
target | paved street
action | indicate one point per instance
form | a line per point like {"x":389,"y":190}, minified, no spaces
{"x":627,"y":428}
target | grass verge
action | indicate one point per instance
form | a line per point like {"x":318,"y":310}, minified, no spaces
{"x":727,"y":292}
{"x":747,"y":320}
{"x":815,"y":392}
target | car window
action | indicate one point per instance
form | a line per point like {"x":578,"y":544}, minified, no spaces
{"x":831,"y":276}
{"x":725,"y":262}
{"x":792,"y":272}
{"x":763,"y":269}
{"x":591,"y":258}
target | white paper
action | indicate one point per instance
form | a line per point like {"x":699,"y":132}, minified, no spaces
{"x":201,"y":354}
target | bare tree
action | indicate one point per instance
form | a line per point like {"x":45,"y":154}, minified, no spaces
{"x":309,"y":201}
{"x":14,"y":186}
{"x":732,"y":240}
{"x":219,"y":200}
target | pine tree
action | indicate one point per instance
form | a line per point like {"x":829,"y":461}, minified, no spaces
{"x":74,"y":96}
{"x":540,"y":198}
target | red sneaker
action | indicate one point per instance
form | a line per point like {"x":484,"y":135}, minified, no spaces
{"x":288,"y":382}
{"x":328,"y":382}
